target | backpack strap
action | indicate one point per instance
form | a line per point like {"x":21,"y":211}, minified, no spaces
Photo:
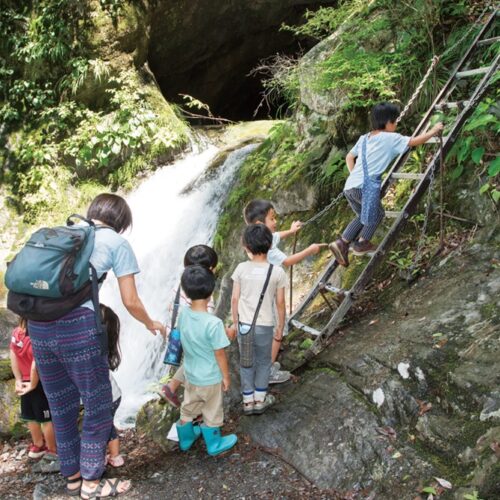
{"x":175,"y":310}
{"x":261,"y":298}
{"x":70,"y":222}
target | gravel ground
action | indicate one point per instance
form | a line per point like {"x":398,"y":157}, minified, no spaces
{"x":245,"y":472}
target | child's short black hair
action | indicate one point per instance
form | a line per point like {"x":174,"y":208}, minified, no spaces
{"x":256,"y":211}
{"x":257,"y":238}
{"x":382,"y":113}
{"x":198,"y":282}
{"x":203,"y":255}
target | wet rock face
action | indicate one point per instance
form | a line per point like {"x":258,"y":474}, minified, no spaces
{"x":404,"y":394}
{"x":206,"y":49}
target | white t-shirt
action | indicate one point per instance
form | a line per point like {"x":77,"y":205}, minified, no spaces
{"x":275,"y":256}
{"x":251,"y":277}
{"x":381,"y":149}
{"x":115,"y":390}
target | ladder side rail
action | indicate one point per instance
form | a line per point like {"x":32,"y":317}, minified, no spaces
{"x":325,"y":276}
{"x":401,"y":160}
{"x":400,"y":222}
{"x":331,"y":326}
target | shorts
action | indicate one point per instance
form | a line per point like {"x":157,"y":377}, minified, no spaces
{"x":34,"y":406}
{"x":205,"y":400}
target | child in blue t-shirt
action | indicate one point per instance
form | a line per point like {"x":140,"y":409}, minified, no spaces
{"x":381,"y":146}
{"x":203,"y":340}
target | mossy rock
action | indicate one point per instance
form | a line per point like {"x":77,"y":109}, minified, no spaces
{"x":10,"y":422}
{"x":5,"y":370}
{"x":154,"y":420}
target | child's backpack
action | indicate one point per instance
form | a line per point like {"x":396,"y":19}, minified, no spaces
{"x":52,"y":274}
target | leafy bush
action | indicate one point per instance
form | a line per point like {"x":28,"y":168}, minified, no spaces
{"x":476,"y":148}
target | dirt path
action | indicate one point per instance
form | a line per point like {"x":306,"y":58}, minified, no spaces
{"x":247,"y":472}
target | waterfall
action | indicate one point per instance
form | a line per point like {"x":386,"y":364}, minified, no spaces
{"x":175,"y":208}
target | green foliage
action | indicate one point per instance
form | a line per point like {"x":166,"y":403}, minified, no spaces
{"x":381,"y":49}
{"x":472,"y":496}
{"x":476,"y":148}
{"x":326,"y":20}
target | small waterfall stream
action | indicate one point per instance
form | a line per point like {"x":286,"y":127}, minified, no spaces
{"x":177,"y":207}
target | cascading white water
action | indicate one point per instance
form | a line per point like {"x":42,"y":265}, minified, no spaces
{"x":171,"y":212}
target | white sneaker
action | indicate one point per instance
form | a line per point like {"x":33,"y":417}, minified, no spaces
{"x":278,"y":376}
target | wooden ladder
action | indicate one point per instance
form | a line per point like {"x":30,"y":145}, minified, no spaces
{"x":346,"y":298}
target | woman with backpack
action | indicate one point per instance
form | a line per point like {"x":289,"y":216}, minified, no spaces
{"x":73,"y":366}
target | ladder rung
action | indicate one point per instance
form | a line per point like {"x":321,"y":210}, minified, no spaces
{"x":305,"y":328}
{"x":452,"y":105}
{"x":333,"y":289}
{"x":391,"y":213}
{"x":473,"y":72}
{"x":488,"y":41}
{"x":407,"y":175}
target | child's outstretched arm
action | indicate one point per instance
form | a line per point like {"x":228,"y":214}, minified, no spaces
{"x":422,"y":138}
{"x":221,"y":358}
{"x":280,"y":309}
{"x":296,"y":225}
{"x":313,"y":249}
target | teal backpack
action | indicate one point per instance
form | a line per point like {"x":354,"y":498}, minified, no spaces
{"x":52,"y":274}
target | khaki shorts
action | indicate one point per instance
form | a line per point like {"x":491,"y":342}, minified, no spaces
{"x":179,"y":375}
{"x":205,"y":400}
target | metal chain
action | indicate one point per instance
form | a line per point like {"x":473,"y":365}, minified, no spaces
{"x":324,"y":210}
{"x":420,"y":243}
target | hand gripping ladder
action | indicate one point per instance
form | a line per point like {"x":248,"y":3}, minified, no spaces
{"x":346,"y":298}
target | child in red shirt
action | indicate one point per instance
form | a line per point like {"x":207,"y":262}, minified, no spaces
{"x":34,"y":405}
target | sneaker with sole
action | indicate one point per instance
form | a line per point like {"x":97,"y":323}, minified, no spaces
{"x":248,"y":408}
{"x":169,"y":396}
{"x":36,"y":451}
{"x":278,"y":376}
{"x":363,"y":247}
{"x":260,"y":407}
{"x":340,"y":250}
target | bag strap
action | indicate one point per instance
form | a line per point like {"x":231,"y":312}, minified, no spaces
{"x":261,"y":298}
{"x":70,"y":222}
{"x":364,"y":162}
{"x":175,"y":309}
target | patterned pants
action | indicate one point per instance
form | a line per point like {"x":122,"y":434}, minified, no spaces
{"x":355,"y":227}
{"x":67,"y":354}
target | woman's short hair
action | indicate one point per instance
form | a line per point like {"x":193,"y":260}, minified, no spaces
{"x":112,"y":210}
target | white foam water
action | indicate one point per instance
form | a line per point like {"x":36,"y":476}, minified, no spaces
{"x":171,"y":212}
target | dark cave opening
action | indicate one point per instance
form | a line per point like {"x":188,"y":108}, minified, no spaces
{"x":207,"y":49}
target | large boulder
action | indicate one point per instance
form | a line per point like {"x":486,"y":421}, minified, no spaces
{"x":155,"y":420}
{"x":10,"y":422}
{"x":405,"y":394}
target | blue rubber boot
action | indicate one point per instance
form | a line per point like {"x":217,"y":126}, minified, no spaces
{"x":217,"y":444}
{"x":188,"y":434}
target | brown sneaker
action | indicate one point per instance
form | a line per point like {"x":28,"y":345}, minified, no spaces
{"x":340,"y":250}
{"x":363,"y":247}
